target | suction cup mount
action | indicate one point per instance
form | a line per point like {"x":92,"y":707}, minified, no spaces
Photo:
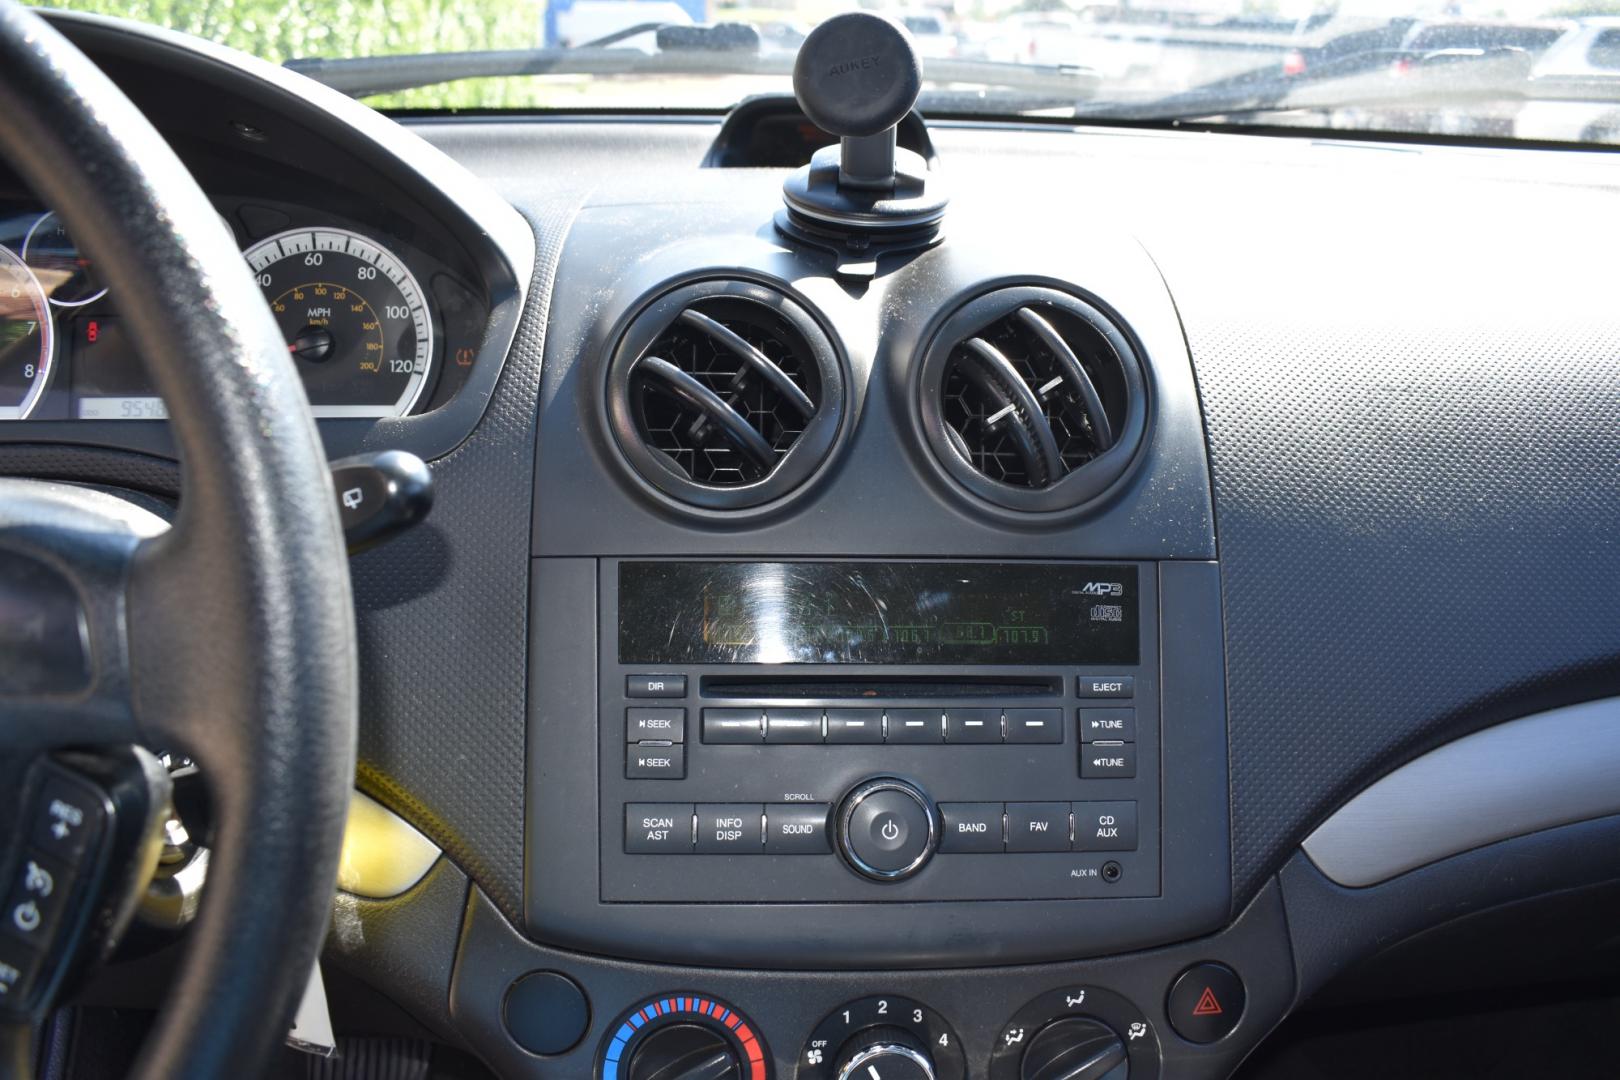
{"x":857,"y":76}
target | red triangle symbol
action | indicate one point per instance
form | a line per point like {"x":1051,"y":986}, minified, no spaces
{"x":1207,"y":1005}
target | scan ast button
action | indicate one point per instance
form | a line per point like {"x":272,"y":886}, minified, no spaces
{"x":658,"y":828}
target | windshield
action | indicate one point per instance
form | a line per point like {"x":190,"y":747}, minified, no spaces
{"x":1534,"y":70}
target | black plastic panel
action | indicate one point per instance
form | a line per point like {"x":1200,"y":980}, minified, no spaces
{"x":785,"y":1006}
{"x":576,"y":861}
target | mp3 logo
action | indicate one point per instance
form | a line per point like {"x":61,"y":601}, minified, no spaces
{"x":1103,"y":588}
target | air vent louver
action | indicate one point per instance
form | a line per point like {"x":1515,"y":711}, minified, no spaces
{"x":1032,"y":399}
{"x":725,"y":394}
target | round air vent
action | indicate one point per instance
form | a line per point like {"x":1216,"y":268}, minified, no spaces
{"x":725,"y":395}
{"x":1032,"y":399}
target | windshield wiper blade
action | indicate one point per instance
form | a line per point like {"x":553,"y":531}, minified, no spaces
{"x":366,"y":76}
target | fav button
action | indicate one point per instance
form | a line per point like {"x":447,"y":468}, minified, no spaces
{"x":1206,"y":1002}
{"x":1041,"y":826}
{"x":729,"y":828}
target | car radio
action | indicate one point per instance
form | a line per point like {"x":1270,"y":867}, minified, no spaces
{"x":790,"y":734}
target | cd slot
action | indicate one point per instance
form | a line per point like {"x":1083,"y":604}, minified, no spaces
{"x":858,"y":687}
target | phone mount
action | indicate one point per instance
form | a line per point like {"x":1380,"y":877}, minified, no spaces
{"x":857,"y":76}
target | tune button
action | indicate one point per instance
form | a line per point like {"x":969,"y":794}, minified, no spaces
{"x":887,"y":829}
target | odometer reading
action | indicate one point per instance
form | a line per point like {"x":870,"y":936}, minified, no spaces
{"x":25,"y":337}
{"x":354,"y":318}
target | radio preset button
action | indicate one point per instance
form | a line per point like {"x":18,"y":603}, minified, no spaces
{"x":1105,"y":686}
{"x":655,"y":761}
{"x":915,"y":726}
{"x":854,"y":725}
{"x":792,"y":725}
{"x":1041,"y":826}
{"x":1105,"y":826}
{"x":972,"y":725}
{"x":666,"y":725}
{"x":796,"y":829}
{"x":1108,"y":761}
{"x":645,"y":686}
{"x":729,"y":828}
{"x":1034,"y":725}
{"x":1108,"y":725}
{"x":733,"y":725}
{"x":970,"y":827}
{"x":658,"y":828}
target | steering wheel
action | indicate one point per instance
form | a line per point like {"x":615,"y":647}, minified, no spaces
{"x":227,"y":638}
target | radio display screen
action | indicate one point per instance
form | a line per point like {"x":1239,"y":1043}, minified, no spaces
{"x":877,"y":613}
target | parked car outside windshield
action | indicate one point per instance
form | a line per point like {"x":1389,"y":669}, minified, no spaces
{"x":1527,"y":70}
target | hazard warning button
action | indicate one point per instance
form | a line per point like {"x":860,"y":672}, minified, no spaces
{"x":1206,"y":1002}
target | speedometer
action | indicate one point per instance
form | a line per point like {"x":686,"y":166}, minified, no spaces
{"x":354,"y":318}
{"x":25,"y":337}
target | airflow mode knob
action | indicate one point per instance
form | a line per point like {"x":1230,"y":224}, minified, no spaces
{"x":725,"y":395}
{"x":1032,"y":400}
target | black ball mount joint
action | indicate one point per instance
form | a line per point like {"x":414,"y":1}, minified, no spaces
{"x":857,"y":76}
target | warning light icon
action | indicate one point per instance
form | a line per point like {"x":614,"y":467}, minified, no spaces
{"x":1207,"y":1004}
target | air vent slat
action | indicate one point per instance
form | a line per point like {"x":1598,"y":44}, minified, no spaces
{"x":993,"y":372}
{"x":1074,"y":375}
{"x":724,"y":395}
{"x":1033,"y":400}
{"x":731,"y":424}
{"x":762,"y":364}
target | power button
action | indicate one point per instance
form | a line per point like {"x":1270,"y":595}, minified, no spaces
{"x":887,"y":829}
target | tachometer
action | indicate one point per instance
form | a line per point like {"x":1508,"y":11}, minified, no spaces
{"x":25,"y":337}
{"x":354,"y":317}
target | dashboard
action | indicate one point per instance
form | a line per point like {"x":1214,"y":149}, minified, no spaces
{"x":768,"y":703}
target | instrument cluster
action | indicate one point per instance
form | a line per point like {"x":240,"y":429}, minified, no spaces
{"x":375,"y":327}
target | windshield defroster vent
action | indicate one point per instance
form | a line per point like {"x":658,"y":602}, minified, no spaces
{"x":725,"y":395}
{"x":1032,"y":399}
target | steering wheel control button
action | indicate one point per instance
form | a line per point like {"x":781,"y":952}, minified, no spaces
{"x":854,"y":725}
{"x":655,"y":686}
{"x":1105,"y":826}
{"x":1034,"y":725}
{"x":1105,"y":686}
{"x":658,"y":828}
{"x":973,"y":725}
{"x":655,"y":761}
{"x":970,"y":828}
{"x":1038,"y":826}
{"x":916,"y":726}
{"x":546,"y":1012}
{"x":18,"y":966}
{"x":793,"y":726}
{"x":68,"y":816}
{"x":1206,"y":1002}
{"x":729,"y":828}
{"x":38,"y":893}
{"x":886,"y":829}
{"x":1108,"y":761}
{"x":741,"y":726}
{"x":796,"y":829}
{"x":658,"y":725}
{"x":1110,"y":725}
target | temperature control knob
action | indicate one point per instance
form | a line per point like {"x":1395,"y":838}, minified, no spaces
{"x":1079,"y":1048}
{"x":885,"y":1054}
{"x":685,"y":1052}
